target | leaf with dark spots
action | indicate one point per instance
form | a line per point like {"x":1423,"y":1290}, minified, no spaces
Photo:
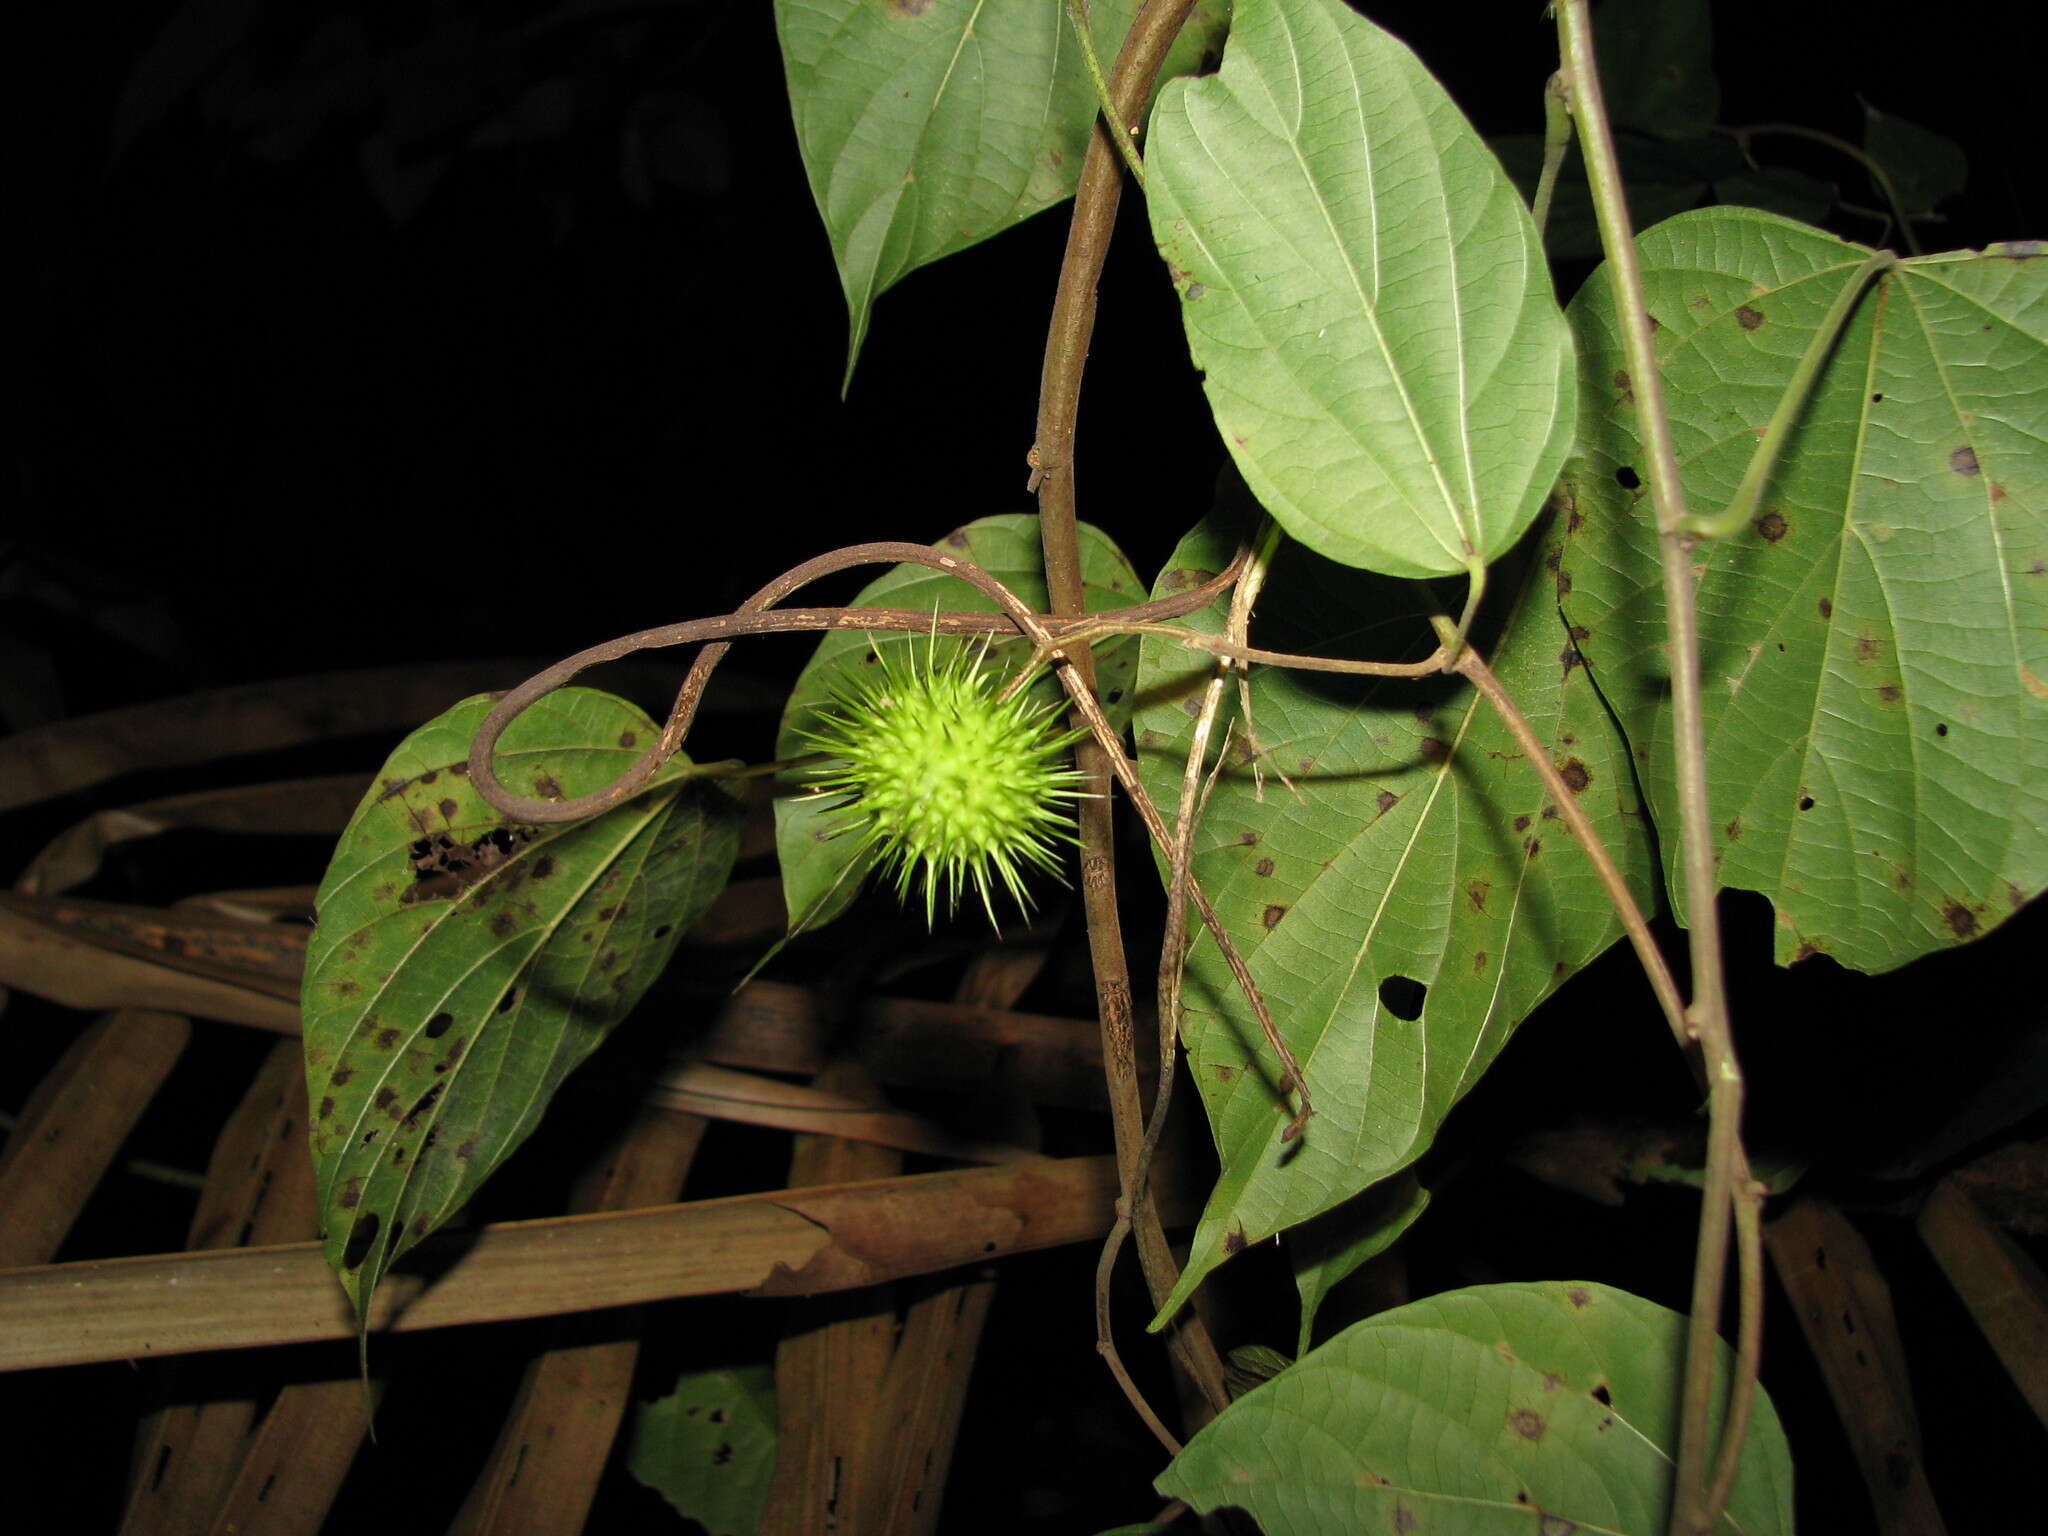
{"x":489,"y":968}
{"x":629,"y":739}
{"x":1263,"y":867}
{"x":1899,"y":595}
{"x":1576,"y":775}
{"x":1748,"y":316}
{"x":1959,"y":919}
{"x":1383,"y":824}
{"x":1315,"y":1448}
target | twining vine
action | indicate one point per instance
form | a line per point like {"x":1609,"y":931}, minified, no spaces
{"x":1060,"y":638}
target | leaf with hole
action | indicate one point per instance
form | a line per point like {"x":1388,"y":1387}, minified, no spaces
{"x":1874,"y":647}
{"x":1501,"y":1410}
{"x":461,"y":967}
{"x":1364,"y":293}
{"x":1389,"y":866}
{"x":822,"y":868}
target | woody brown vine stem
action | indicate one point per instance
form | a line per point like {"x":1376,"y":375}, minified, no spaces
{"x":1096,"y":196}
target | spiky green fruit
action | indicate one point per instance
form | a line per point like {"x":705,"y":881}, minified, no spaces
{"x":946,"y":781}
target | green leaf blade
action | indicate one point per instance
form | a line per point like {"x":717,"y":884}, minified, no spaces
{"x":1873,"y":647}
{"x":460,"y":968}
{"x":927,"y":128}
{"x":1365,"y":293}
{"x":1421,"y":856}
{"x":1499,"y":1408}
{"x":708,"y":1448}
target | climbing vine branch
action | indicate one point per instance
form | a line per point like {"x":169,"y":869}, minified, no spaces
{"x":1693,"y":1511}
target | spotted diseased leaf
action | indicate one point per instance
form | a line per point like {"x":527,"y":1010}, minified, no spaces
{"x":461,"y":967}
{"x":1874,"y":648}
{"x":1364,"y":292}
{"x":927,"y":126}
{"x":1403,"y":899}
{"x":1501,"y":1410}
{"x":822,"y":867}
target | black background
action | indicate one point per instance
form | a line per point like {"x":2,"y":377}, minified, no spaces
{"x":276,"y":415}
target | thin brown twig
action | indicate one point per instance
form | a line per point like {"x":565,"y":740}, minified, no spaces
{"x":1173,"y":949}
{"x":755,"y":617}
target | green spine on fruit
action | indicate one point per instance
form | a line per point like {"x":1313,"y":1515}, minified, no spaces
{"x":945,"y":781}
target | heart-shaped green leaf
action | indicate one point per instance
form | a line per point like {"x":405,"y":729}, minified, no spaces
{"x":1364,"y":292}
{"x":1874,"y":648}
{"x":1402,"y":906}
{"x":1502,"y":1410}
{"x":461,"y":967}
